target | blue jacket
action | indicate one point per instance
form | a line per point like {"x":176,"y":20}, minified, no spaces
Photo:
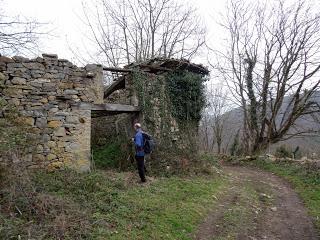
{"x":138,"y":142}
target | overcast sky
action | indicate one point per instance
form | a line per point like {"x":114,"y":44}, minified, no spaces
{"x":66,"y":26}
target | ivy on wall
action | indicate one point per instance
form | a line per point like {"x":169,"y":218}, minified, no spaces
{"x":187,"y":95}
{"x":171,"y":103}
{"x":177,"y":94}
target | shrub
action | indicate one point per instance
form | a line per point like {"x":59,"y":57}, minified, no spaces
{"x":27,"y":211}
{"x":283,"y":152}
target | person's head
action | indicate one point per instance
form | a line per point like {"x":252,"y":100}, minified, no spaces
{"x":137,"y":126}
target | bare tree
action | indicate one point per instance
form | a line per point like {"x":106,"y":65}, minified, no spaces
{"x":272,"y":67}
{"x":217,"y":99}
{"x":214,"y":119}
{"x":205,"y":132}
{"x":127,"y":31}
{"x":18,"y":35}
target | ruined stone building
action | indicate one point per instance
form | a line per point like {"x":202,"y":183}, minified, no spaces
{"x":58,"y":101}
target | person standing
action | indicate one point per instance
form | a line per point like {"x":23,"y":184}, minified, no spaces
{"x":139,"y":156}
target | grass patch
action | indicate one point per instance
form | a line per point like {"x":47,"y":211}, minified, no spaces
{"x":113,"y":155}
{"x":106,"y":205}
{"x":306,"y":182}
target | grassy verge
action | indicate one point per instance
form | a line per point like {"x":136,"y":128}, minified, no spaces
{"x":104,"y":205}
{"x":306,"y":182}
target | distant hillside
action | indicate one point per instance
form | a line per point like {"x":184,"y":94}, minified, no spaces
{"x":307,"y":144}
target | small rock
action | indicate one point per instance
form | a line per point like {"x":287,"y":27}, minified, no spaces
{"x":71,"y":92}
{"x":60,"y":132}
{"x":48,"y":55}
{"x":19,"y":81}
{"x":2,"y":77}
{"x":54,"y":124}
{"x":51,"y":157}
{"x":6,"y":59}
{"x":273,"y":209}
{"x":38,"y":157}
{"x":72,"y":119}
{"x":41,"y":122}
{"x":39,"y":148}
{"x":52,"y":144}
{"x":29,"y":121}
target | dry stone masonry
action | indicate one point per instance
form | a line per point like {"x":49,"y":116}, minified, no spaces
{"x":47,"y":91}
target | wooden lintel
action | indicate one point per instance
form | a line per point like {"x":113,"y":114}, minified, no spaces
{"x":111,"y":107}
{"x":107,"y":107}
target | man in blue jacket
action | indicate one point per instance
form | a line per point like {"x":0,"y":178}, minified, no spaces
{"x":139,"y":143}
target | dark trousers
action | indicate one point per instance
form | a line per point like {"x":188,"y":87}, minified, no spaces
{"x":141,"y":168}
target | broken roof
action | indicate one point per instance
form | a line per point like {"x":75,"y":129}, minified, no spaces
{"x":158,"y":65}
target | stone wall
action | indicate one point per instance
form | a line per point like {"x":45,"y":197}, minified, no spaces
{"x":47,"y":91}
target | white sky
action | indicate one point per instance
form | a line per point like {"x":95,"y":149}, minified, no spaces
{"x":63,"y":19}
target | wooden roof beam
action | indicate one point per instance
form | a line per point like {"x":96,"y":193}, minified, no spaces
{"x":116,"y":85}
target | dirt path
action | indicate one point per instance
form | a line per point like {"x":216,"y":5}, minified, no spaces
{"x":257,"y":206}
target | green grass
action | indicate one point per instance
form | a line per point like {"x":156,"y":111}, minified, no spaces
{"x":110,"y":155}
{"x":108,"y":205}
{"x":305,"y":181}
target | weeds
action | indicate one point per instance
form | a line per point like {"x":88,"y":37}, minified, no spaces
{"x":102,"y":205}
{"x":28,"y":211}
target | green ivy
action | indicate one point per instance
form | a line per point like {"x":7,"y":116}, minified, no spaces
{"x":187,"y":95}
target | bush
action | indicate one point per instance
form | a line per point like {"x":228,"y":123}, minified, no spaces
{"x":283,"y":152}
{"x":29,"y":212}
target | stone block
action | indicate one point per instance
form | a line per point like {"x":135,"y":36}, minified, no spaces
{"x":70,"y":92}
{"x":45,"y":137}
{"x":2,"y":77}
{"x":72,"y":119}
{"x":72,"y":147}
{"x":53,"y":110}
{"x":49,"y":87}
{"x":60,"y":132}
{"x":52,"y":144}
{"x":41,"y":80}
{"x":56,"y":118}
{"x":39,"y":158}
{"x":55,"y":166}
{"x":13,"y":66}
{"x":38,"y":113}
{"x":36,"y":84}
{"x":34,"y":65}
{"x":6,"y":59}
{"x":13,"y":92}
{"x":41,"y":122}
{"x":54,"y":124}
{"x":29,"y":121}
{"x":20,"y":59}
{"x":52,"y":98}
{"x":39,"y":148}
{"x":15,"y":101}
{"x":50,"y":56}
{"x":51,"y":157}
{"x":19,"y":81}
{"x":44,"y":100}
{"x":62,"y":113}
{"x":37,"y":73}
{"x":66,"y":85}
